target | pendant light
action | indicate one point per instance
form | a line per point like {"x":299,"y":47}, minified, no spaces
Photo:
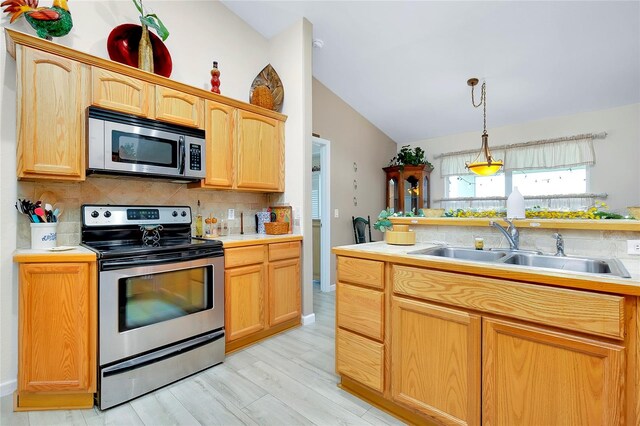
{"x":484,"y":164}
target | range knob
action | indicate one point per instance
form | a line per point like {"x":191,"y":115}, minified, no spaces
{"x":174,"y":214}
{"x":95,"y":214}
{"x":183,"y":214}
{"x":107,"y":214}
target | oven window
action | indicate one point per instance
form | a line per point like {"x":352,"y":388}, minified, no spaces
{"x":150,"y":299}
{"x":132,"y":148}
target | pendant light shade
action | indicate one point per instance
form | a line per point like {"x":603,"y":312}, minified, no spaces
{"x":484,"y":164}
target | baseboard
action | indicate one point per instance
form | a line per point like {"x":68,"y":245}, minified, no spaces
{"x":308,"y":319}
{"x":7,"y":388}
{"x":332,"y":287}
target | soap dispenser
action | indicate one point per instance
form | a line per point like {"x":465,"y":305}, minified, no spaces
{"x":515,"y":205}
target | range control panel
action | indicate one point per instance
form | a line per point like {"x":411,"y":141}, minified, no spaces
{"x":115,"y":215}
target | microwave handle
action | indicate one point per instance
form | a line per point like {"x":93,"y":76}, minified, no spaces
{"x":181,"y":155}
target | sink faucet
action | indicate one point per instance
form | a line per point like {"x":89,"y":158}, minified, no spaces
{"x":511,"y":233}
{"x":559,"y":244}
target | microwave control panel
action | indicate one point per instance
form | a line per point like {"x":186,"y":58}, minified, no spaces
{"x":195,"y":162}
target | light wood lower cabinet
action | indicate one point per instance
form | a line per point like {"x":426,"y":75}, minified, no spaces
{"x":436,"y":361}
{"x":56,"y":335}
{"x":244,"y":301}
{"x":262,"y":291}
{"x":460,"y":349}
{"x":51,"y":93}
{"x":535,"y":376}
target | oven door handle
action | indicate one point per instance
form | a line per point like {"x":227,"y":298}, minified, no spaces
{"x":115,"y":264}
{"x":154,"y":357}
{"x":181,"y":155}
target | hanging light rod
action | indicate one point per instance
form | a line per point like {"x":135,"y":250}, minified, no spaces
{"x":484,"y":164}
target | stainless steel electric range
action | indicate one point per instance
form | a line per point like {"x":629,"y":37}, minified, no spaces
{"x":161,"y":298}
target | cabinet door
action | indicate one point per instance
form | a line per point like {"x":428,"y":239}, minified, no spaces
{"x":260,"y":153}
{"x":573,"y":380}
{"x":52,"y":94}
{"x":243,"y":301}
{"x":118,"y":92}
{"x":178,"y":107}
{"x":284,"y":291}
{"x":57,"y":327}
{"x":436,"y":361}
{"x":220,"y":121}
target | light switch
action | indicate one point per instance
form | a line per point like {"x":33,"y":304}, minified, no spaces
{"x":231,"y":214}
{"x":336,"y":213}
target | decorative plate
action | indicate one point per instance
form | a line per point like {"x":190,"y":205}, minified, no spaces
{"x":268,"y":78}
{"x":122,"y":46}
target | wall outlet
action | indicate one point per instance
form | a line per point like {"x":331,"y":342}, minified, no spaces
{"x":231,"y":214}
{"x":633,"y":246}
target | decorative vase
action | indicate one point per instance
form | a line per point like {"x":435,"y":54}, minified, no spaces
{"x":145,"y":51}
{"x":215,"y":78}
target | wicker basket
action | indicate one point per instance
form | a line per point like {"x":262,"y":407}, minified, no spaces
{"x":276,"y":228}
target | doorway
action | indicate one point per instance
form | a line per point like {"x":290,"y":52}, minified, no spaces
{"x":321,"y":208}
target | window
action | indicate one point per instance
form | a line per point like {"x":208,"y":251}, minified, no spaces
{"x":529,"y":182}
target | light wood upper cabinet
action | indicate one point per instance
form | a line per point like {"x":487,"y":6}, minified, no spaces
{"x":52,"y":94}
{"x":260,"y":152}
{"x":118,"y":92}
{"x":436,"y":361}
{"x":179,"y":107}
{"x":536,"y":376}
{"x":220,"y":128}
{"x":57,"y":331}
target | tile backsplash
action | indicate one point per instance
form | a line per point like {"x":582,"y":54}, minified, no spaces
{"x":69,"y":197}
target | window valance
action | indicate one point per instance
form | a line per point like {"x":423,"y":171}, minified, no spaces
{"x":570,"y":151}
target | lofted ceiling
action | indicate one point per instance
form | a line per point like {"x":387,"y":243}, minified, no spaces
{"x":404,"y":64}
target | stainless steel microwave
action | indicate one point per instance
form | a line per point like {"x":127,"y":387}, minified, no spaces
{"x":125,"y":144}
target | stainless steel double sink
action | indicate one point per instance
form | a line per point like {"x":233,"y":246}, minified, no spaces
{"x":607,"y":266}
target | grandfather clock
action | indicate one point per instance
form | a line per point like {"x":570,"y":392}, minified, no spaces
{"x":408,"y":187}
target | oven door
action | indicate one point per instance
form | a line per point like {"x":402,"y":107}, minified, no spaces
{"x":143,"y":308}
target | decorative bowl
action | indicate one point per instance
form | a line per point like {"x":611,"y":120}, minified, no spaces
{"x":122,"y":46}
{"x":432,"y":212}
{"x":634,"y":211}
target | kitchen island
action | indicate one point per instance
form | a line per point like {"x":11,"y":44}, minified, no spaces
{"x":438,"y":340}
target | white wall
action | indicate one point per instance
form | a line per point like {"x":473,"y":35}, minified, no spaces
{"x":201,"y":32}
{"x":616,"y":171}
{"x":353,"y":140}
{"x":291,"y":57}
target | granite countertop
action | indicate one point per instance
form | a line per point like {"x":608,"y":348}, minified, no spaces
{"x":381,"y":249}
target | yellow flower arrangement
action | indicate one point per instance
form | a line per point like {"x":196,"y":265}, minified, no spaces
{"x":597,"y":211}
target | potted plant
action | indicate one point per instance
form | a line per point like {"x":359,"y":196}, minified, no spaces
{"x":410,"y":157}
{"x":383,"y":223}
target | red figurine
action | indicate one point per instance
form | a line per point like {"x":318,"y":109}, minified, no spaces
{"x":215,"y":78}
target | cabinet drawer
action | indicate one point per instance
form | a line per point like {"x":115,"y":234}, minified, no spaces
{"x":241,"y":256}
{"x":361,"y":310}
{"x":594,"y":313}
{"x":360,"y":358}
{"x":360,"y":271}
{"x":289,"y":250}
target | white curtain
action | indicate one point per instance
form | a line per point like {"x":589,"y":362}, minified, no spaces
{"x":550,"y":155}
{"x":546,"y":154}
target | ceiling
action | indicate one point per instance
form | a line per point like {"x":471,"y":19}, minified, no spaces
{"x":404,"y":64}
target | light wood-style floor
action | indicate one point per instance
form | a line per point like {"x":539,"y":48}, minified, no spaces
{"x":286,"y":380}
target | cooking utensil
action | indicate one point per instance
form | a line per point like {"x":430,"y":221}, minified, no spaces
{"x":41,"y":214}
